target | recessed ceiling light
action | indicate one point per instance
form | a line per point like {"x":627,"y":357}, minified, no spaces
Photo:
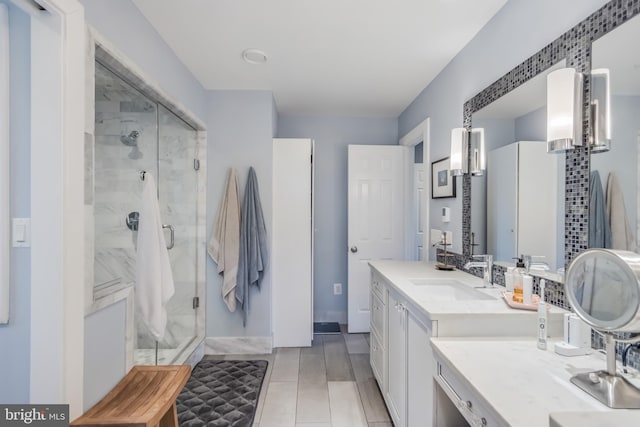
{"x":254,"y":56}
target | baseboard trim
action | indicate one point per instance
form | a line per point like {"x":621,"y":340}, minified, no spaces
{"x":238,"y":345}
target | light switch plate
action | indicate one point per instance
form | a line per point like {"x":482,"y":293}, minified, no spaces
{"x":21,"y":232}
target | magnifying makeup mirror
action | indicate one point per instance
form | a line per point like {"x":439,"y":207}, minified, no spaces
{"x":603,"y":287}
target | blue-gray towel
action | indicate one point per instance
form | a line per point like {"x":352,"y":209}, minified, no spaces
{"x":599,"y":230}
{"x":253,"y":244}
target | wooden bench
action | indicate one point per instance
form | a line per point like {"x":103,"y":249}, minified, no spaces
{"x":145,"y":397}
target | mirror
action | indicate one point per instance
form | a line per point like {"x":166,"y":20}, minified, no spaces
{"x":517,"y":206}
{"x":613,"y":219}
{"x":603,"y":287}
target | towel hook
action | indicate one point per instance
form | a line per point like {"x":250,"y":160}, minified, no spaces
{"x":142,"y":174}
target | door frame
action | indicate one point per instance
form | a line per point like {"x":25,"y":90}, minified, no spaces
{"x":420,"y":133}
{"x":57,"y":201}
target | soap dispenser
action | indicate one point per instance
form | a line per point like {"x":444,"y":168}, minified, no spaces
{"x":518,"y":277}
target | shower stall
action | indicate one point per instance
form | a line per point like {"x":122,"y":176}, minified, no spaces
{"x":135,"y":133}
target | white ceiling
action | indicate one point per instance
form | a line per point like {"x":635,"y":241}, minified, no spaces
{"x":365,"y":58}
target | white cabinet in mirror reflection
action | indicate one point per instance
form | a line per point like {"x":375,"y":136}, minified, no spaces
{"x":522,"y":202}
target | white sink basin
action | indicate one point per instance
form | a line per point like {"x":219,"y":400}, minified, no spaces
{"x":451,"y":293}
{"x":436,"y":282}
{"x":447,"y":290}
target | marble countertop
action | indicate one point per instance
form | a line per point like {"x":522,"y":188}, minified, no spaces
{"x":527,"y":386}
{"x":400,"y":274}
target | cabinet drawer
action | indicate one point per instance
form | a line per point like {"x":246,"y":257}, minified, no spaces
{"x":377,"y":285}
{"x":377,"y":359}
{"x":467,"y":402}
{"x":377,"y":314}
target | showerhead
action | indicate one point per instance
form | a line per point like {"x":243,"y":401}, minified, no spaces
{"x":130,"y":140}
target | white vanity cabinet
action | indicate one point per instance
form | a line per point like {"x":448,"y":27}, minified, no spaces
{"x":404,"y":318}
{"x":403,"y":369}
{"x":461,"y":397}
{"x":378,"y":327}
{"x":396,"y":390}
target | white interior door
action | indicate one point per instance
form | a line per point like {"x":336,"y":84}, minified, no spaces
{"x":376,"y":220}
{"x":419,"y":205}
{"x":291,"y":256}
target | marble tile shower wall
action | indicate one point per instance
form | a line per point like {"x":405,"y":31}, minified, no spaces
{"x":167,"y":151}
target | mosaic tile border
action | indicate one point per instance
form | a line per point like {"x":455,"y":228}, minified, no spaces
{"x":574,"y":46}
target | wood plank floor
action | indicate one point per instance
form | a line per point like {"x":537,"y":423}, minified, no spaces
{"x":327,"y":385}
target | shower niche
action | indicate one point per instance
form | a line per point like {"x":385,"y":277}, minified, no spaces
{"x":137,"y":129}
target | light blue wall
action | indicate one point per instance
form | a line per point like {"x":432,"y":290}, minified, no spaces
{"x":332,"y":135}
{"x":532,"y":126}
{"x":15,"y":336}
{"x":623,"y":156}
{"x":120,"y":22}
{"x":240,"y":133}
{"x":517,"y":31}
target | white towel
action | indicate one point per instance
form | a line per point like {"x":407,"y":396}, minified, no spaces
{"x":621,"y":233}
{"x":154,"y":280}
{"x":224,"y":245}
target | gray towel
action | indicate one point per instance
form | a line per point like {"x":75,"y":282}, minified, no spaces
{"x":599,"y":231}
{"x":253,"y":244}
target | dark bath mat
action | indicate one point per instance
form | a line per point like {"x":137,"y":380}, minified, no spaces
{"x":221,"y":393}
{"x":326,"y":328}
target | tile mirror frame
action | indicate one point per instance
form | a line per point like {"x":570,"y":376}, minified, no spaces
{"x":575,"y":47}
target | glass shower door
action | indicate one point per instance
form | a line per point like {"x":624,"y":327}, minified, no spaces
{"x":178,"y":191}
{"x":134,"y":133}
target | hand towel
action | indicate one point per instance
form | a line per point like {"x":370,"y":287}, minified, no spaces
{"x":599,"y":232}
{"x":154,"y":279}
{"x":224,"y":244}
{"x":253,"y":244}
{"x":621,"y":233}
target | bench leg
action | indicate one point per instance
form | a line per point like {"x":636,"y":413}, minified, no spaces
{"x":170,"y":418}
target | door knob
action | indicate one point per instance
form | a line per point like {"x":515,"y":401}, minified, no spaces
{"x":354,"y":249}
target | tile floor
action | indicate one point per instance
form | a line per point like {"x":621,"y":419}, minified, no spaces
{"x":327,"y":385}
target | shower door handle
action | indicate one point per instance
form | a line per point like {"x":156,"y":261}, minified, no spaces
{"x":172,"y":235}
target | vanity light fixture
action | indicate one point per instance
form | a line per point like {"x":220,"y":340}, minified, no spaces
{"x":467,"y":152}
{"x":477,"y":152}
{"x":600,"y":139}
{"x":564,"y":110}
{"x":459,"y":160}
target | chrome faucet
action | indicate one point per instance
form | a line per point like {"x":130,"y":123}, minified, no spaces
{"x":487,"y":268}
{"x":529,"y":263}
